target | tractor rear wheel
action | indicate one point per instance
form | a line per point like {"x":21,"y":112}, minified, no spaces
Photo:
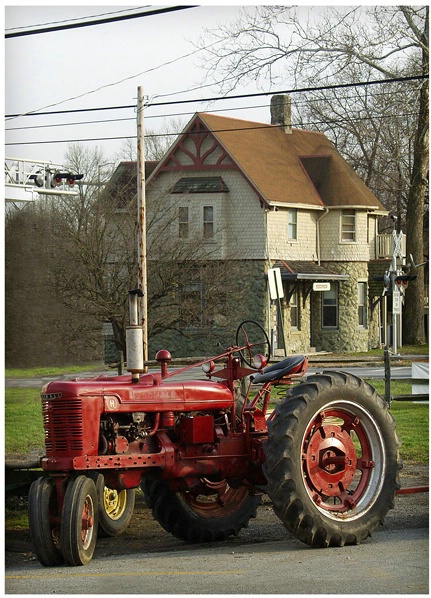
{"x":213,"y":511}
{"x":79,"y":521}
{"x":115,"y":507}
{"x":332,"y":460}
{"x":44,"y":521}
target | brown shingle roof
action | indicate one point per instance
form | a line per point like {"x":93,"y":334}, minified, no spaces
{"x":301,"y":168}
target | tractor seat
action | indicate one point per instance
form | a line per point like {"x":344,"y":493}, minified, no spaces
{"x":279,"y":370}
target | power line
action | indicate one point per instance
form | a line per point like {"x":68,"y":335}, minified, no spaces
{"x":304,"y":102}
{"x":167,"y":63}
{"x":77,"y":19}
{"x":230,"y":130}
{"x":50,"y":29}
{"x":234,"y":97}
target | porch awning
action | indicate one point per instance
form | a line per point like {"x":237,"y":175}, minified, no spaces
{"x":292,"y":271}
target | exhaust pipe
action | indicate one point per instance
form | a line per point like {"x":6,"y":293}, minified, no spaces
{"x":134,"y":338}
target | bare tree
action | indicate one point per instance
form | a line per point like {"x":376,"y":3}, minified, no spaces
{"x":277,"y":45}
{"x":156,"y":142}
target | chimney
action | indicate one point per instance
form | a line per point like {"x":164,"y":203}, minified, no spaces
{"x":281,"y":113}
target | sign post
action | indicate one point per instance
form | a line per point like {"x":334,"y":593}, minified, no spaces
{"x":396,"y":294}
{"x":276,"y":293}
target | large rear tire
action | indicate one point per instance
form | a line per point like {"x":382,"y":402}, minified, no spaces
{"x":332,"y":461}
{"x":212,"y":512}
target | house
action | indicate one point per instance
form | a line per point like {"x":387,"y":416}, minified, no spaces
{"x":236,"y":199}
{"x":258,"y":197}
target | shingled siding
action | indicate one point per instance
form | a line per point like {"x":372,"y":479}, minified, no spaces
{"x":250,"y":286}
{"x":281,"y":247}
{"x":348,"y":336}
{"x":239,"y":229}
{"x":332,"y":248}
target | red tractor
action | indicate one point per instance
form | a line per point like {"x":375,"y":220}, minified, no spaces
{"x":205,"y":451}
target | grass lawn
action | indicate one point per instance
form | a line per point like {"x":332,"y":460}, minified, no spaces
{"x":24,"y":428}
{"x":23,"y":420}
{"x":38,"y":372}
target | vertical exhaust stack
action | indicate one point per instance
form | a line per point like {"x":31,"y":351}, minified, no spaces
{"x":134,"y":339}
{"x":281,"y":113}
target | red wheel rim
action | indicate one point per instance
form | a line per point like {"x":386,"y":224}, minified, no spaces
{"x":215,"y":499}
{"x":87,"y":522}
{"x":337,"y":458}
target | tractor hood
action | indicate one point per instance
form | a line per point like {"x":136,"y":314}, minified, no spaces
{"x":151,"y":394}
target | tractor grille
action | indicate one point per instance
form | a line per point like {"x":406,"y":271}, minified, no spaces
{"x":62,"y":421}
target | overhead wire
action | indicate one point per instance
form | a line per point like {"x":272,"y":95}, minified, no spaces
{"x":128,"y":78}
{"x":230,"y":130}
{"x":232,"y":97}
{"x":52,"y":28}
{"x":77,"y":19}
{"x":297,"y":104}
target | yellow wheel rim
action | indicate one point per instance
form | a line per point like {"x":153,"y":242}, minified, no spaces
{"x":114,"y":502}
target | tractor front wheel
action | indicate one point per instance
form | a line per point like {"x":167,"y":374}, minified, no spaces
{"x":44,"y":522}
{"x":213,"y":511}
{"x":332,"y":460}
{"x":115,"y":508}
{"x":79,"y":521}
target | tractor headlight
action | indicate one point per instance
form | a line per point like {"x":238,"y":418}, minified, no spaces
{"x":208,"y":367}
{"x":259,"y":361}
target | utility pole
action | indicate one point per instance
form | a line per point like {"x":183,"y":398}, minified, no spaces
{"x":142,"y":234}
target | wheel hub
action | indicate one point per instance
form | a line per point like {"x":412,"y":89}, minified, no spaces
{"x":330,"y":460}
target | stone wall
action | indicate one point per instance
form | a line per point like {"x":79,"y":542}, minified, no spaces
{"x":349,"y":336}
{"x":248,"y":292}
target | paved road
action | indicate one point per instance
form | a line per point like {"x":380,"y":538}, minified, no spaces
{"x":393,"y":562}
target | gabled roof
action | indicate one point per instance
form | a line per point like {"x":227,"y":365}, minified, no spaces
{"x":293,"y":169}
{"x":121,"y":188}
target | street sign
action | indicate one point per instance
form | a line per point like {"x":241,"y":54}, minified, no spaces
{"x":275,"y":284}
{"x":396,"y":301}
{"x":321,"y":286}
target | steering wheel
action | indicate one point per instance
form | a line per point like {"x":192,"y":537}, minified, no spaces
{"x":252,"y":334}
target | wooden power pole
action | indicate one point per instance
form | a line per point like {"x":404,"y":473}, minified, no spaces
{"x":142,"y":233}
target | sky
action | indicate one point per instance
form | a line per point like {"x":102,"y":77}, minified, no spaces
{"x":44,"y":72}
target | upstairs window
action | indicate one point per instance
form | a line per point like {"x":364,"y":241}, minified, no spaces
{"x":183,"y":222}
{"x":348,"y":225}
{"x":292,"y":224}
{"x":208,"y":222}
{"x":208,"y":184}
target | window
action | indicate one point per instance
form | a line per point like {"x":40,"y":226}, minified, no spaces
{"x":294,"y":310}
{"x":208,"y":222}
{"x":330,"y":307}
{"x":209,"y":184}
{"x":292,"y":224}
{"x":362,"y":304}
{"x":183,"y":222}
{"x":348,"y":225}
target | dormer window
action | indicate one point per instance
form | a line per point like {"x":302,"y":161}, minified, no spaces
{"x":207,"y":184}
